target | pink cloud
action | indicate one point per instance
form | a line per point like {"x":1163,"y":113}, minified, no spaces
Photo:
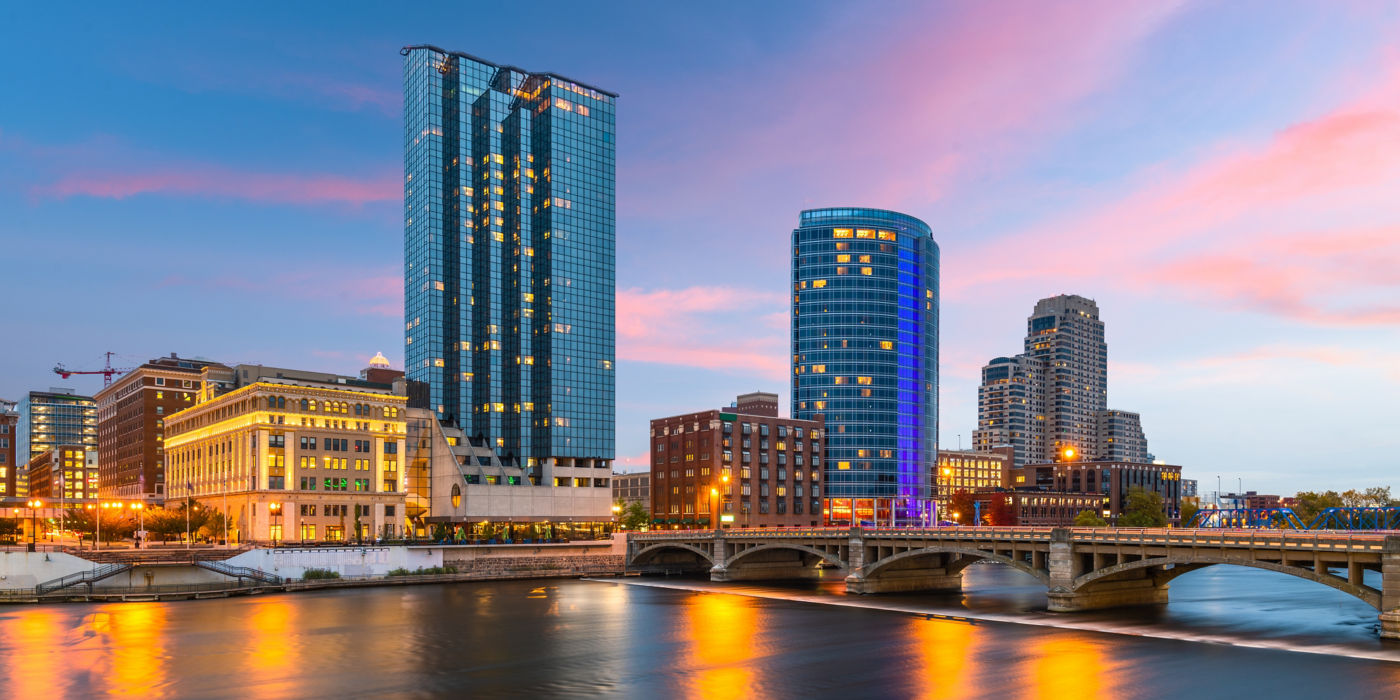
{"x":694,"y":327}
{"x":1305,"y":225}
{"x":223,"y":183}
{"x":956,"y":91}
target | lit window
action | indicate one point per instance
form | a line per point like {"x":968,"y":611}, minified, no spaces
{"x":864,"y":233}
{"x":843,"y":465}
{"x":818,"y":284}
{"x":865,"y":258}
{"x":847,"y":258}
{"x":819,"y":369}
{"x":886,"y":345}
{"x":867,"y":271}
{"x":841,"y":233}
{"x":841,"y":270}
{"x":887,"y":236}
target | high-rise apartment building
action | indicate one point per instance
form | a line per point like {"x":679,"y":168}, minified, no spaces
{"x":1065,"y":333}
{"x":1119,"y":437}
{"x":1011,"y":407}
{"x":509,"y":262}
{"x":865,"y":355}
{"x":131,"y":416}
{"x":1050,"y":403}
{"x":9,"y":450}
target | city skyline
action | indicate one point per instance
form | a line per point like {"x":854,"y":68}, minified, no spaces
{"x":262,"y":162}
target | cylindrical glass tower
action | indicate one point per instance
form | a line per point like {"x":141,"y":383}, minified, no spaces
{"x":865,"y":354}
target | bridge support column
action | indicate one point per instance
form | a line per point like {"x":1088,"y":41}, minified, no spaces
{"x":1135,"y":587}
{"x":1390,"y":589}
{"x":927,"y":573}
{"x":772,"y":565}
{"x":1108,"y":594}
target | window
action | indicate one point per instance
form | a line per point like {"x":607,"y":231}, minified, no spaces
{"x":160,"y":381}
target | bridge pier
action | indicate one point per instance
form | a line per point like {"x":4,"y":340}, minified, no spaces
{"x":905,"y":580}
{"x":1390,"y":589}
{"x":770,"y":565}
{"x":1108,"y":594}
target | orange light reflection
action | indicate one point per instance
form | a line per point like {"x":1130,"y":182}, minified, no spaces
{"x":1071,"y":667}
{"x":720,"y":630}
{"x":946,"y":654}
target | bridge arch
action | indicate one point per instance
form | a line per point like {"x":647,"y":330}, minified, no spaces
{"x":645,"y":555}
{"x":970,"y":554}
{"x":824,"y":556}
{"x":1181,"y":566}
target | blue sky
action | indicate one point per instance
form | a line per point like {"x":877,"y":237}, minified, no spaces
{"x":225,"y":182}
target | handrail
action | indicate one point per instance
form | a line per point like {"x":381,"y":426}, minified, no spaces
{"x":97,"y":573}
{"x":239,"y":571}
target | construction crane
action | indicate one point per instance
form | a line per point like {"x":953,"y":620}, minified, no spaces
{"x":107,"y":371}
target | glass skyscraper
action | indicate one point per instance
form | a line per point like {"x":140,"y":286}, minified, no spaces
{"x":509,"y":262}
{"x":865,"y":354}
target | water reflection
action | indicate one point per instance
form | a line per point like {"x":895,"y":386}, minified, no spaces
{"x":270,"y":657}
{"x":1069,"y":667}
{"x":720,"y":632}
{"x":946,"y":652}
{"x":129,"y":654}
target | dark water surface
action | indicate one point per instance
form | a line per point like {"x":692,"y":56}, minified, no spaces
{"x":565,"y":638}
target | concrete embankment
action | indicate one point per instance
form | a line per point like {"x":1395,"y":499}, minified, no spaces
{"x":60,"y":576}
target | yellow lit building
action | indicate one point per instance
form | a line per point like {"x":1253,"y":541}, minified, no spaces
{"x":291,"y":456}
{"x":970,"y":471}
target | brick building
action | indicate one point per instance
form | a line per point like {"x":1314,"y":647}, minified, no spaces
{"x":971,"y":470}
{"x":1112,"y":480}
{"x":742,"y":466}
{"x":65,"y":474}
{"x":9,"y":451}
{"x":131,"y":416}
{"x":1041,"y":508}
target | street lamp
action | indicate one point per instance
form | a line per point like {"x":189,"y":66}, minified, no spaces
{"x":34,"y":506}
{"x":275,"y":510}
{"x":1069,"y":453}
{"x":617,"y":511}
{"x":714,"y":511}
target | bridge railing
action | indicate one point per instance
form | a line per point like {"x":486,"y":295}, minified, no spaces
{"x":1292,"y":539}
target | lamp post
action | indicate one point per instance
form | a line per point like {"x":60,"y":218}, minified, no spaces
{"x":140,"y":509}
{"x":714,"y":510}
{"x":34,"y":506}
{"x":275,"y":511}
{"x":617,"y":512}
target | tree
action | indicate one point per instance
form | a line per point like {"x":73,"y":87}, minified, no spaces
{"x":1000,"y":511}
{"x":1188,"y":511}
{"x":1307,"y":504}
{"x":1144,"y":509}
{"x":9,"y":529}
{"x":961,"y":507}
{"x":635,"y":516}
{"x":116,"y":523}
{"x":1089,"y":518}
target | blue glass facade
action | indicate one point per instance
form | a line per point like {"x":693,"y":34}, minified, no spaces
{"x":865,"y":350}
{"x":509,"y":255}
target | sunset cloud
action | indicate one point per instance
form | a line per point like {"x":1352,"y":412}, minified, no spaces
{"x":695,"y":326}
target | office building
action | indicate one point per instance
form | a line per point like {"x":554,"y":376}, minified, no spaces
{"x":64,"y":474}
{"x":1111,"y":480}
{"x":742,"y":466}
{"x":970,"y":470}
{"x":9,"y":451}
{"x":633,"y":486}
{"x":57,"y":417}
{"x":865,"y":356}
{"x":131,"y":414}
{"x":509,"y":277}
{"x":1039,"y":508}
{"x":1050,"y":402}
{"x":291,"y":456}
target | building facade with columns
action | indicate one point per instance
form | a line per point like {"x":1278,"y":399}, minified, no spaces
{"x":292,"y":456}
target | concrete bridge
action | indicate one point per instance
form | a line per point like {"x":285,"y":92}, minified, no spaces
{"x":1082,"y":568}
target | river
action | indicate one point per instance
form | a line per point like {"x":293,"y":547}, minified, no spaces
{"x":1228,"y":633}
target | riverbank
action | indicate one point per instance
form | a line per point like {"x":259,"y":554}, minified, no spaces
{"x":147,"y":575}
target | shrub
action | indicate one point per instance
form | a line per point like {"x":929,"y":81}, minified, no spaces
{"x":314,"y":574}
{"x":421,"y":571}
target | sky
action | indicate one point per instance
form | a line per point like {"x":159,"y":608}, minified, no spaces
{"x":224,"y":181}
